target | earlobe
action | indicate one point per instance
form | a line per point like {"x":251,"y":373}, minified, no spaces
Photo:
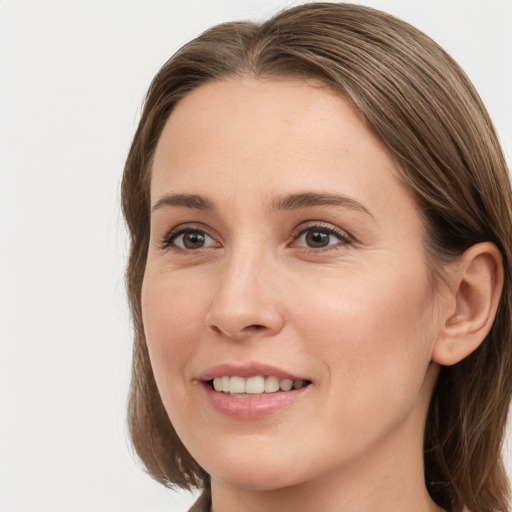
{"x":476,"y":283}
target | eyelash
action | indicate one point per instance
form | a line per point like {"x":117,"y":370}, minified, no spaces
{"x":168,"y":242}
{"x":343,"y":238}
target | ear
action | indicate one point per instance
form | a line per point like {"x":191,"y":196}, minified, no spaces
{"x":475,"y":282}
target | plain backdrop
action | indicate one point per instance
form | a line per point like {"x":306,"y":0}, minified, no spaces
{"x":72,"y":78}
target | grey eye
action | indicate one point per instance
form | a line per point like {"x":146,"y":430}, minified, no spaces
{"x":320,"y":238}
{"x":317,"y":239}
{"x":193,"y":239}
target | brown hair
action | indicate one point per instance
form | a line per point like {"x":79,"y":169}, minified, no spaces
{"x":427,"y":112}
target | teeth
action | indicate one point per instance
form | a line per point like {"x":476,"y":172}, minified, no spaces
{"x":271,"y":384}
{"x":255,"y":385}
{"x":225,"y":384}
{"x":286,"y":384}
{"x":237,"y":385}
{"x":297,"y":384}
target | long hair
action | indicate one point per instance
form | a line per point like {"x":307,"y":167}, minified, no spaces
{"x":426,"y":111}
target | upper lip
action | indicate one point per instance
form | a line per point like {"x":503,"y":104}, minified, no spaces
{"x":246,"y":370}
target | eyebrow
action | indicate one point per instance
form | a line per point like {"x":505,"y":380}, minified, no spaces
{"x":285,"y":202}
{"x":192,"y":201}
{"x":308,"y":199}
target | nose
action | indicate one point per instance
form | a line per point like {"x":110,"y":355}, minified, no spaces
{"x":246,"y":302}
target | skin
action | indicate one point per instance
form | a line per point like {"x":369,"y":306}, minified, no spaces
{"x":359,"y":317}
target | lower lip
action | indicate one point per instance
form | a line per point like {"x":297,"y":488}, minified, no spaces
{"x":249,"y":408}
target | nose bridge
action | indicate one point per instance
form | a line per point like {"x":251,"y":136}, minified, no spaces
{"x":245,"y":300}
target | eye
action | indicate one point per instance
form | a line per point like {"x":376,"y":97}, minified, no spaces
{"x":321,"y":237}
{"x":189,"y":239}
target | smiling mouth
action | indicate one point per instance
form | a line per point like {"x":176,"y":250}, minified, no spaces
{"x":257,"y":385}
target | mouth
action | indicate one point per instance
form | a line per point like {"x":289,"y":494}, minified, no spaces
{"x":252,"y":390}
{"x":241,"y":387}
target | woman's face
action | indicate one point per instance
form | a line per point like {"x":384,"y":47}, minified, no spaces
{"x":284,"y":248}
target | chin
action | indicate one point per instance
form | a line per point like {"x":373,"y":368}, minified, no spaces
{"x":262,"y":478}
{"x":254,"y":468}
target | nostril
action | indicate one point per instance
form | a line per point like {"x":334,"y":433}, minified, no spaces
{"x":247,"y":328}
{"x":254,"y":327}
{"x":215,"y":329}
{"x":237,"y":330}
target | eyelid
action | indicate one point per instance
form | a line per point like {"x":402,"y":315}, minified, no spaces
{"x":167,"y":241}
{"x":343,"y":237}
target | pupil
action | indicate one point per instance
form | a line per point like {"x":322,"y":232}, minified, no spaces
{"x":317,"y":239}
{"x":193,"y":240}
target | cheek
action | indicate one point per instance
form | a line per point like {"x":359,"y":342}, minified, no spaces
{"x":375,"y":337}
{"x":173,"y":317}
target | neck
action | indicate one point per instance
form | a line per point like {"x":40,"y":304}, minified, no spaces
{"x":362,"y":489}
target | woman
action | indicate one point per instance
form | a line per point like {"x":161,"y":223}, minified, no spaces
{"x":319,"y":276}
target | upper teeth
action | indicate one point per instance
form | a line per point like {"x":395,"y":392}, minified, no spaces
{"x":255,"y":385}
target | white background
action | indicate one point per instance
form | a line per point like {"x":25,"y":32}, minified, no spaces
{"x":72,"y":78}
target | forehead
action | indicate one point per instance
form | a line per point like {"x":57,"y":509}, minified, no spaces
{"x":270,"y":136}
